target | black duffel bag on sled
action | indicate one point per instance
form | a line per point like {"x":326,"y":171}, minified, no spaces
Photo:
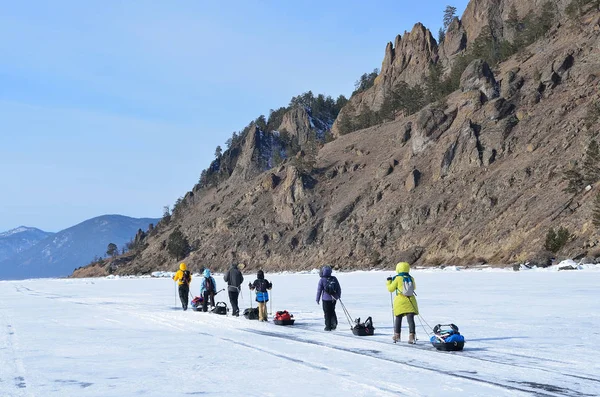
{"x":251,"y":313}
{"x":220,"y":308}
{"x":363,"y":329}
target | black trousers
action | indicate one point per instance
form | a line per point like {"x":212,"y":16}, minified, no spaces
{"x":207,"y":295}
{"x":184,"y":292}
{"x":330,"y":316}
{"x":410,"y":317}
{"x":233,"y":299}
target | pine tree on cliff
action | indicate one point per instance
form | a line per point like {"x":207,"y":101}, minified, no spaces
{"x":449,"y":14}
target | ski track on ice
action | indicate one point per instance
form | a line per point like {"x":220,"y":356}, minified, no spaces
{"x":168,"y":322}
{"x":297,"y":334}
{"x":534,"y":387}
{"x":498,"y":359}
{"x":12,"y":373}
{"x":537,"y":389}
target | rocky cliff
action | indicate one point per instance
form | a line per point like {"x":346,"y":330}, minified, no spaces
{"x":477,"y":177}
{"x":408,"y":59}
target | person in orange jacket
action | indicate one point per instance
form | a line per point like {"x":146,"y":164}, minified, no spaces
{"x":183,"y":277}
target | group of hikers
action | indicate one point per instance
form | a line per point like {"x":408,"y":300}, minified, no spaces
{"x":329,"y":291}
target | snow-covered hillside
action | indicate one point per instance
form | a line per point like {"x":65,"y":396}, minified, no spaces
{"x":528,"y":334}
{"x":19,"y":239}
{"x":59,"y":254}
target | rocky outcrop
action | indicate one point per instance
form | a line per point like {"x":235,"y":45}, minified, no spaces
{"x":248,"y":164}
{"x":495,"y":14}
{"x":297,"y":123}
{"x":407,"y":60}
{"x":454,"y":42}
{"x":430,"y":123}
{"x":479,"y":77}
{"x":289,"y":202}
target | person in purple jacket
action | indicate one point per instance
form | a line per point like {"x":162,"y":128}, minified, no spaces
{"x":330,"y":290}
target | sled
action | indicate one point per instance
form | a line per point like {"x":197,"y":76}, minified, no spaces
{"x":447,"y":339}
{"x":220,"y":308}
{"x":283,"y":318}
{"x":196,"y":304}
{"x":363,"y":329}
{"x":251,"y":313}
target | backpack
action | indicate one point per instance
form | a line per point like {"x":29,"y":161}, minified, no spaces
{"x":332,"y":286}
{"x":408,"y":289}
{"x":186,"y":278}
{"x":208,"y":285}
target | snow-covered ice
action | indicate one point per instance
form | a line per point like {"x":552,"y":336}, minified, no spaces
{"x":527,"y":333}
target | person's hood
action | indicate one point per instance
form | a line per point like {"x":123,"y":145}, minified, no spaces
{"x":402,"y":267}
{"x":326,"y":271}
{"x":260,"y":275}
{"x":182,"y":267}
{"x":206,"y":273}
{"x":233,"y":266}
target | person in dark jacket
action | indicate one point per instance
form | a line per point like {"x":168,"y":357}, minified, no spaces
{"x":261,"y":285}
{"x":234,"y":279}
{"x":329,"y":300}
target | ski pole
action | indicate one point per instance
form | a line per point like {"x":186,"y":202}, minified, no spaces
{"x":250,"y":297}
{"x":175,"y":301}
{"x":393,"y":317}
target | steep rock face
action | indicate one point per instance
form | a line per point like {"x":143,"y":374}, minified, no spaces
{"x":254,"y":155}
{"x":454,"y":42}
{"x":409,"y":58}
{"x":406,"y":60}
{"x":495,"y":13}
{"x":297,"y":123}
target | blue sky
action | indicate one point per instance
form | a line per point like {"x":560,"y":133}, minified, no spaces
{"x":116,"y":106}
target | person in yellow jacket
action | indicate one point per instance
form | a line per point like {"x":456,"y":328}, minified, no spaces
{"x":405,"y":303}
{"x":183,"y":277}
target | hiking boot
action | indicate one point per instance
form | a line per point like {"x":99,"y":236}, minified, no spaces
{"x":396,"y":337}
{"x":411,"y":339}
{"x":327,"y":329}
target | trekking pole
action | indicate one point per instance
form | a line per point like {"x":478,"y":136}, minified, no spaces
{"x":175,"y":301}
{"x":250,"y":293}
{"x":348,"y":317}
{"x":393,"y":317}
{"x":271,"y":304}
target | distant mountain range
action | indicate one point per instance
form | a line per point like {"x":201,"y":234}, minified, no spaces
{"x":58,"y":254}
{"x":20,"y":239}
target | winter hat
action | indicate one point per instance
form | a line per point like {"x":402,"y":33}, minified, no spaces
{"x":182,"y":266}
{"x":206,"y":273}
{"x":260,"y":275}
{"x":402,"y":267}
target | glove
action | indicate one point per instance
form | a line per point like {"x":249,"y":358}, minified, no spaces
{"x":389,"y":279}
{"x":318,"y":303}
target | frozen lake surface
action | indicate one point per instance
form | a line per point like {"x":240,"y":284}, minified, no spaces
{"x":527,"y":333}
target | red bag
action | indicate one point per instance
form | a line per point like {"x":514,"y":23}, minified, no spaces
{"x":283,"y":315}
